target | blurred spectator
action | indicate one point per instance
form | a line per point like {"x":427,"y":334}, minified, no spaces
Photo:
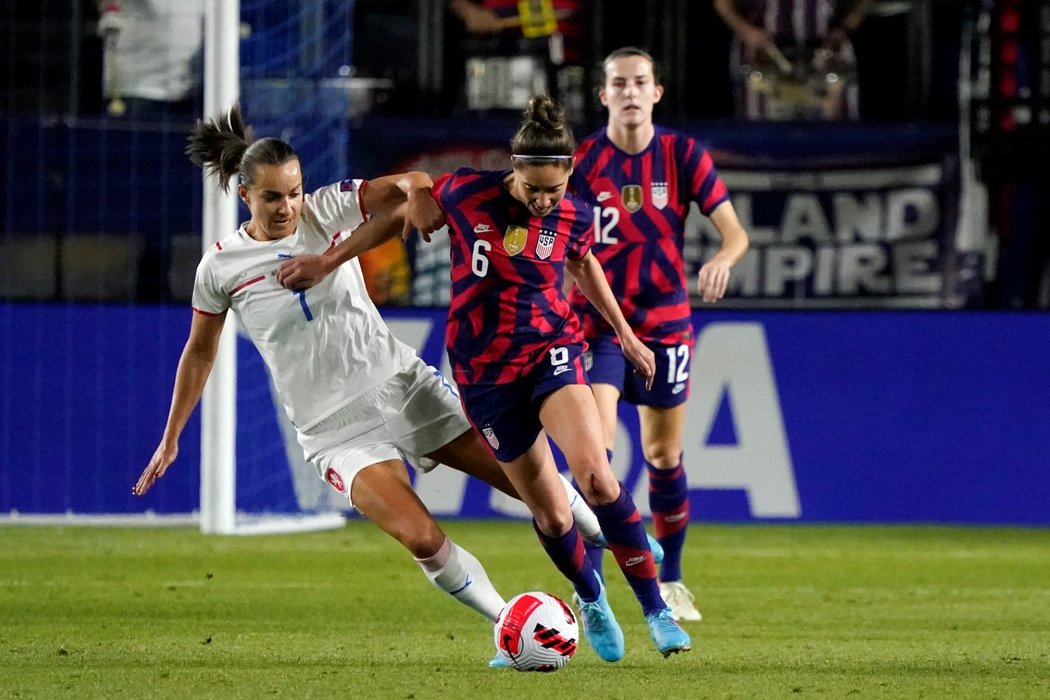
{"x":792,"y":59}
{"x":514,"y":50}
{"x":151,"y":56}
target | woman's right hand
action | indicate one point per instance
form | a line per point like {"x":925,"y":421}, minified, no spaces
{"x":162,"y":459}
{"x":639,"y":354}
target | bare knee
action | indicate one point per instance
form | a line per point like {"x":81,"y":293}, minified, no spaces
{"x":598,"y":485}
{"x":662,"y":455}
{"x":553,"y":522}
{"x":422,"y":540}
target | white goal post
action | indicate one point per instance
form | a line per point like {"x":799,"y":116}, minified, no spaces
{"x":218,"y":508}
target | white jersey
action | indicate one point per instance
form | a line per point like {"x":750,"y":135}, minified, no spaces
{"x":324,"y":347}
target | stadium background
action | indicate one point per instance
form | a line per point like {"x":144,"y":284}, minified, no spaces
{"x":882,"y":358}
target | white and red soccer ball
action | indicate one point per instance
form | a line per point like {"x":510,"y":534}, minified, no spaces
{"x":536,"y":632}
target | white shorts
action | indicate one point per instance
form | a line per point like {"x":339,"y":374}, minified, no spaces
{"x":412,"y":413}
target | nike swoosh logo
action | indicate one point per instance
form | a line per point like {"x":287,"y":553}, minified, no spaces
{"x":678,"y":388}
{"x":562,"y":369}
{"x":634,"y":561}
{"x":482,"y":228}
{"x":674,"y":518}
{"x":463,"y":587}
{"x":602,"y":196}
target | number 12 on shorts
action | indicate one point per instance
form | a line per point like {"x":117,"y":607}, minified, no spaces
{"x":677,"y":364}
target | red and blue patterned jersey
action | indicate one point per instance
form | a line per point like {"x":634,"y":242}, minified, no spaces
{"x":507,"y":307}
{"x":640,"y":204}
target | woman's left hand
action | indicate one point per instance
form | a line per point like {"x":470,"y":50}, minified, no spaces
{"x":713,"y":280}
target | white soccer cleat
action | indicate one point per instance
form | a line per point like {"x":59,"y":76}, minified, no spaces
{"x":680,"y":601}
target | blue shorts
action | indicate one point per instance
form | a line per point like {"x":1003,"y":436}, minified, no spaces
{"x":508,"y":415}
{"x":606,"y":364}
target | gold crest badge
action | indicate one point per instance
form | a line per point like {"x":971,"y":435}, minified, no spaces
{"x":514,"y":239}
{"x":631,"y":197}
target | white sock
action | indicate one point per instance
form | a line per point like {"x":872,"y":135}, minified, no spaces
{"x":586,"y":520}
{"x":458,"y":572}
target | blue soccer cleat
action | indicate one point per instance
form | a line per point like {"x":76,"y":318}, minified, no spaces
{"x":600,"y":627}
{"x":658,"y":550}
{"x":667,"y":634}
{"x":596,"y":540}
{"x":500,"y":661}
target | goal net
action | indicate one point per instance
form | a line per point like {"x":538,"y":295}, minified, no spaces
{"x":292,"y":56}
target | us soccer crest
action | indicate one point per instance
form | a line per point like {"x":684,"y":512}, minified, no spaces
{"x":658,"y":192}
{"x":490,"y":435}
{"x":631,"y":197}
{"x":545,"y":245}
{"x":514,"y":239}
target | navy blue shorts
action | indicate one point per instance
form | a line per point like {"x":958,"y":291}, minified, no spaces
{"x":508,"y":415}
{"x":606,"y":364}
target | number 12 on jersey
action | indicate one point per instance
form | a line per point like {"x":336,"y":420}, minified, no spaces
{"x":605,"y":222}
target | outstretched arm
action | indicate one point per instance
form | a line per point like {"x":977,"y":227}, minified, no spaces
{"x":412,"y":188}
{"x":590,"y":278}
{"x":714,"y":275}
{"x":306,"y":271}
{"x":195,"y":365}
{"x":398,"y":203}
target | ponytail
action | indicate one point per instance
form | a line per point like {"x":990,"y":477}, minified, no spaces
{"x":225,"y":147}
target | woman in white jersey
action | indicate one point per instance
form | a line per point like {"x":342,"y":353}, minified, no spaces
{"x":361,"y":401}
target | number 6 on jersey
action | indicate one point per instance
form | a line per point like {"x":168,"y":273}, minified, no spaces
{"x":479,"y":263}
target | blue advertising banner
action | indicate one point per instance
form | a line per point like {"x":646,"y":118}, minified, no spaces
{"x":903,"y":416}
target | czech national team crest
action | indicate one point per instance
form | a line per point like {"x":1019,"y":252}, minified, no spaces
{"x":545,"y":244}
{"x":514,"y":239}
{"x":333,"y":478}
{"x":659,"y":194}
{"x":631,"y":197}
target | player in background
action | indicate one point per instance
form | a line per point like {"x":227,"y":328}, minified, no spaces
{"x":361,"y":400}
{"x":641,"y":179}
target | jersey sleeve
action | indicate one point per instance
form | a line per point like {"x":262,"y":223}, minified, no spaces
{"x":698,"y":170}
{"x":441,"y":188}
{"x":583,"y":164}
{"x":582,"y":231}
{"x":578,"y":183}
{"x":209,"y":298}
{"x":339,"y":206}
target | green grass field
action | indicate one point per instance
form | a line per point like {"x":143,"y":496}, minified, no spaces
{"x":793,"y":611}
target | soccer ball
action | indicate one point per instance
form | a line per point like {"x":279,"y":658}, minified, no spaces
{"x":536,"y":632}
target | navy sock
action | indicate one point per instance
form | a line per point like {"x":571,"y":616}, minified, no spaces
{"x":622,"y":524}
{"x":567,"y":554}
{"x":597,"y":554}
{"x":669,"y":502}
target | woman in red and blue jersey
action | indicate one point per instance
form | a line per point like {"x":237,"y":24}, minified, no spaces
{"x":641,"y":179}
{"x":516,"y":349}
